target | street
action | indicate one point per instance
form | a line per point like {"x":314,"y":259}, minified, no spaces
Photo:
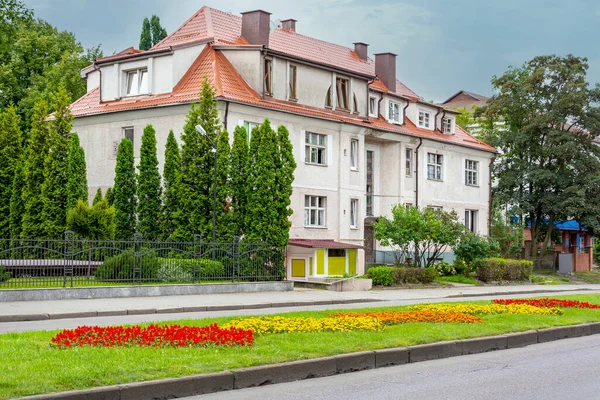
{"x":565,"y":369}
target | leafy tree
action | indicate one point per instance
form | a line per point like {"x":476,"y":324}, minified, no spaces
{"x":146,"y":36}
{"x":110,"y":196}
{"x":158,"y":32}
{"x":224,"y":225}
{"x":56,"y":167}
{"x":95,"y":222}
{"x":98,"y":197}
{"x":17,"y":208}
{"x":10,"y":156}
{"x":13,"y":14}
{"x":171,"y":171}
{"x":34,"y":173}
{"x":125,"y":189}
{"x":466,"y":117}
{"x":284,"y":177}
{"x":549,"y":166}
{"x":508,"y":235}
{"x":472,"y":246}
{"x":77,"y":187}
{"x":149,"y":190}
{"x":238,"y":179}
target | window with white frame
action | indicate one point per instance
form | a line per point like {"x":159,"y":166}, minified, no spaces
{"x":471,"y":220}
{"x":373,"y":112}
{"x":408,"y":205}
{"x":447,"y":125}
{"x":434,"y":166}
{"x":137,"y":82}
{"x":408,"y":162}
{"x":315,"y":148}
{"x":471,"y":173}
{"x":268,"y":77}
{"x":394,"y":112}
{"x":424,"y":119}
{"x":249,"y":127}
{"x":315,"y":208}
{"x":353,"y":213}
{"x":354,"y":154}
{"x":436,"y":208}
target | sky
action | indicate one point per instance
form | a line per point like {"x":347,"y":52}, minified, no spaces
{"x":443,"y":46}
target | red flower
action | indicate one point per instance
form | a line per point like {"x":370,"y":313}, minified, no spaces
{"x":547,"y":302}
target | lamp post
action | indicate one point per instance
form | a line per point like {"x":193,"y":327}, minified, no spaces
{"x":202,"y":132}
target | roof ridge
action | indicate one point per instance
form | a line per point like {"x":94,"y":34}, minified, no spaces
{"x":217,"y":73}
{"x":187,"y":21}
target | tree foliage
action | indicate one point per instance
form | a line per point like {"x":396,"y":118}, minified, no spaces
{"x":152,"y":32}
{"x":17,"y":208}
{"x":171,"y":172}
{"x":149,"y":189}
{"x":146,"y":35}
{"x":97,"y":197}
{"x":11,"y":148}
{"x":125,"y":190}
{"x":77,"y":186}
{"x":110,"y":196}
{"x":239,"y":179}
{"x":472,"y":246}
{"x":95,"y":222}
{"x":284,"y":177}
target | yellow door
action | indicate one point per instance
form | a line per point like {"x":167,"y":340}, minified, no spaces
{"x":298,"y":268}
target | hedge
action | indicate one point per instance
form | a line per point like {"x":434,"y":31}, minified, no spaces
{"x":498,"y":269}
{"x":388,"y":276}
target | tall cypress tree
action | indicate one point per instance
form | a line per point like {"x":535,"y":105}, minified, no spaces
{"x":56,"y":166}
{"x":110,"y":196}
{"x":17,"y":207}
{"x":77,"y":186}
{"x":284,"y":177}
{"x":171,"y":171}
{"x":125,"y":189}
{"x":97,"y":197}
{"x":239,"y":178}
{"x":158,"y":32}
{"x":10,"y":157}
{"x":146,"y":36}
{"x":224,"y":226}
{"x":34,"y":173}
{"x":149,"y":190}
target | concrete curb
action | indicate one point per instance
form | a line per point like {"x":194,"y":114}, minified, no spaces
{"x":145,"y":311}
{"x":319,"y":367}
{"x":458,"y":296}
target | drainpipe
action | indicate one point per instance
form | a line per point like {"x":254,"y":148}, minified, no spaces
{"x":417,"y":173}
{"x":490,"y":196}
{"x":368,"y":96}
{"x":379,"y":106}
{"x":226,"y":115}
{"x":404,"y":112}
{"x":263,"y":52}
{"x":435,"y":120}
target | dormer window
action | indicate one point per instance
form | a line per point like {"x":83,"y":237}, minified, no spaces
{"x":424,"y":119}
{"x":373,"y":107}
{"x":342,"y":93}
{"x":394,"y":112}
{"x":447,"y":125}
{"x":292,"y":78}
{"x":268,"y":77}
{"x":137,"y":82}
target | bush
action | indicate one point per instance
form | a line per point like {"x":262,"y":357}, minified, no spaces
{"x":192,"y":269}
{"x":461,"y":268}
{"x":4,"y":274}
{"x":444,"y":268}
{"x":472,"y":247}
{"x":168,"y":272}
{"x":120,"y":267}
{"x":497,"y":269}
{"x":381,"y":276}
{"x":415,"y":275}
{"x":518,"y":270}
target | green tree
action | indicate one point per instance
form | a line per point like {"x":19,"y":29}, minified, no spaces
{"x":472,"y":247}
{"x":466,"y":118}
{"x":110,"y":196}
{"x":158,"y":32}
{"x":224,"y":225}
{"x":11,"y":149}
{"x":98,"y":197}
{"x":17,"y":207}
{"x":125,"y":190}
{"x":239,"y":179}
{"x":34,"y":173}
{"x":77,"y":187}
{"x":284,"y":177}
{"x":56,"y":169}
{"x":13,"y":14}
{"x":149,"y":189}
{"x":171,"y":171}
{"x":146,"y":36}
{"x":549,"y":168}
{"x":507,"y":234}
{"x":95,"y":222}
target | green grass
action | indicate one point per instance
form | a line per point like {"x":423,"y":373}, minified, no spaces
{"x":458,"y":279}
{"x":31,"y":366}
{"x":549,"y":280}
{"x":589,"y":277}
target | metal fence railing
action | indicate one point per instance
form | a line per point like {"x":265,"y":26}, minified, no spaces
{"x":72,"y":262}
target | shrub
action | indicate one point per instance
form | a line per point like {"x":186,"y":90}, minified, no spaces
{"x":461,"y":267}
{"x":120,"y":267}
{"x":444,"y":268}
{"x":472,"y":247}
{"x":4,"y":274}
{"x":518,"y":270}
{"x":191,"y":269}
{"x":381,"y":276}
{"x":415,"y":275}
{"x":497,"y":269}
{"x":173,"y":272}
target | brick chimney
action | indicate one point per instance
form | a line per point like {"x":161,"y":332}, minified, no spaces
{"x":256,"y":26}
{"x":362,"y":50}
{"x":289,"y":24}
{"x":385,"y":69}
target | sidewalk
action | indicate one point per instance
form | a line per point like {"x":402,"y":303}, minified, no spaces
{"x":40,"y":310}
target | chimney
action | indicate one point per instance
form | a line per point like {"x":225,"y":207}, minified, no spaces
{"x":255,"y":27}
{"x":289,"y":24}
{"x":385,"y":69}
{"x":362,"y":50}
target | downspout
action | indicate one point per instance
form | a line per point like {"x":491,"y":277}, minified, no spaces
{"x":379,"y":106}
{"x":490,"y":196}
{"x":417,"y":172}
{"x":369,"y":97}
{"x":404,"y":112}
{"x":262,"y":77}
{"x":226,"y":115}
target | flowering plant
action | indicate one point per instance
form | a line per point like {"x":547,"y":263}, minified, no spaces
{"x":547,"y":302}
{"x":266,"y":325}
{"x":488,"y":308}
{"x":404,"y":317}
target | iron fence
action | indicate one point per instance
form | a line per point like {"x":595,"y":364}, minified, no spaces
{"x":76,"y":262}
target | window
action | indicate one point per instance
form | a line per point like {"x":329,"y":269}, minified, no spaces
{"x":328,"y":100}
{"x":353,"y":213}
{"x":268,"y":77}
{"x":436,"y":208}
{"x":408,"y":205}
{"x":447,"y":125}
{"x":292,"y":78}
{"x":355,"y":109}
{"x":409,"y":161}
{"x":342,"y":93}
{"x":434,"y":166}
{"x":471,"y":173}
{"x":128,"y":133}
{"x":137,"y":82}
{"x":314,"y":210}
{"x":394,"y":112}
{"x":354,"y":154}
{"x":370,"y":180}
{"x":373,"y":107}
{"x":471,"y":220}
{"x":336,"y":253}
{"x":249,"y":127}
{"x":315,"y":148}
{"x":424,"y":118}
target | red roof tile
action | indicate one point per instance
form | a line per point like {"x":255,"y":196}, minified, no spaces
{"x":321,"y":244}
{"x":124,"y":53}
{"x":401,"y":89}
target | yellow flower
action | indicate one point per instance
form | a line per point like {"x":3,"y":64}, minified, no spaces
{"x":488,"y":308}
{"x":266,"y":325}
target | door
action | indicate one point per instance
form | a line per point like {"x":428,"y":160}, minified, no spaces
{"x":298,"y":268}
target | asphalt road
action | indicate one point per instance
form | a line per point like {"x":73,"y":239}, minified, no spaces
{"x":561,"y":370}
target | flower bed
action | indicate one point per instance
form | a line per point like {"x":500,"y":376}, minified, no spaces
{"x":153,"y":336}
{"x":546,"y":302}
{"x":404,"y":317}
{"x":266,"y":325}
{"x":488,"y":308}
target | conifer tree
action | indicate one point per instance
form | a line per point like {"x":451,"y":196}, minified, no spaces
{"x":17,"y":208}
{"x":34,"y":173}
{"x":110,"y":196}
{"x":98,"y":197}
{"x":239,"y":178}
{"x":146,"y":36}
{"x":10,"y":157}
{"x":158,"y":32}
{"x":149,"y":190}
{"x":284,"y":177}
{"x":170,"y":173}
{"x":77,"y":187}
{"x":224,"y":226}
{"x":125,"y":201}
{"x":56,"y":166}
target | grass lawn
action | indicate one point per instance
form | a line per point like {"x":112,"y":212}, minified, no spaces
{"x":31,"y":366}
{"x":549,"y":280}
{"x":458,"y":279}
{"x":589,"y":277}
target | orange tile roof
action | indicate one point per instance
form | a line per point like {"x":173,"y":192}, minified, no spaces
{"x":127,"y":52}
{"x":401,"y":89}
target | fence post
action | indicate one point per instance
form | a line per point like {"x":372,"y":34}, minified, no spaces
{"x":197,"y":243}
{"x":236,"y":256}
{"x":137,"y":251}
{"x":68,"y":255}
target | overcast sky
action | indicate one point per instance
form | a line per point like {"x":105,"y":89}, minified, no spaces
{"x":443,"y":46}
